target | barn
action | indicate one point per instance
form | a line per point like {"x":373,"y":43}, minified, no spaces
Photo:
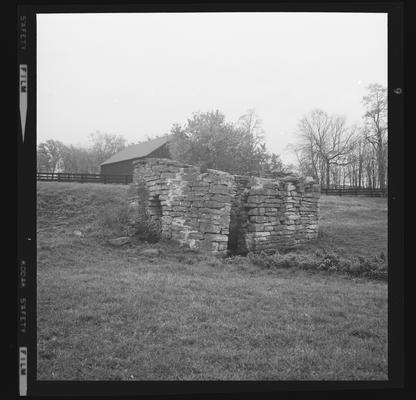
{"x":121,"y":163}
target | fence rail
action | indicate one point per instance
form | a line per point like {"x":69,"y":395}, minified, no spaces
{"x":83,"y":178}
{"x":341,"y":190}
{"x":336,"y":190}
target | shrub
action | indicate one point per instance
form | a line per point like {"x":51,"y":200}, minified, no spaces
{"x":277,"y":260}
{"x":148,"y":229}
{"x":113,"y":219}
{"x":321,"y":233}
{"x":145,"y":227}
{"x":372,"y":267}
{"x":330,"y":262}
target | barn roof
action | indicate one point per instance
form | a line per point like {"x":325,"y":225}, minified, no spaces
{"x":138,"y":150}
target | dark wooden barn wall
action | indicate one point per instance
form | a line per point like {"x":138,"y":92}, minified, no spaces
{"x":126,"y":167}
{"x":119,"y":168}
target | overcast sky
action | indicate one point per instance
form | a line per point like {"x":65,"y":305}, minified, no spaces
{"x":137,"y":74}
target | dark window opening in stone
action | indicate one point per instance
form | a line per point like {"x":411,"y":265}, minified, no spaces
{"x":154,"y":211}
{"x":238,"y":218}
{"x":234,"y":232}
{"x":236,"y":240}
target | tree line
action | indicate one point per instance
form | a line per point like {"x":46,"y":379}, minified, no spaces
{"x":325,"y":147}
{"x":55,"y":156}
{"x":206,"y":139}
{"x":335,"y":154}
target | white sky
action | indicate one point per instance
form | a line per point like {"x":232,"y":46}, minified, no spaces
{"x":137,"y":74}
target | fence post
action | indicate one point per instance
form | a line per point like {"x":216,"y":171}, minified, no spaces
{"x":105,"y":178}
{"x":126,"y":179}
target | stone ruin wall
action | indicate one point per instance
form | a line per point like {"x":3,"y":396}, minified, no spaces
{"x":220,"y":212}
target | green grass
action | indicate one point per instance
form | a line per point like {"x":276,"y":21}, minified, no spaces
{"x":353,"y":225}
{"x":113,"y":314}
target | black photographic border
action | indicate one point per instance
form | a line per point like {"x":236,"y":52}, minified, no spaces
{"x":26,"y":263}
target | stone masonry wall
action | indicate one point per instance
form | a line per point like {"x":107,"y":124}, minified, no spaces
{"x":221,"y":212}
{"x":281,"y":213}
{"x":194,"y":207}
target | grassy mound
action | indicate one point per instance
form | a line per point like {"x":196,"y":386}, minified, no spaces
{"x":116,"y":313}
{"x":96,"y":210}
{"x":352,"y":237}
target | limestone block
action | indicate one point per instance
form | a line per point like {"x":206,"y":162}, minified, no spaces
{"x":206,"y":210}
{"x":262,"y":234}
{"x":220,"y":189}
{"x":209,"y":228}
{"x":258,"y":219}
{"x":221,"y":198}
{"x":213,"y":220}
{"x":255,"y":199}
{"x":290,"y":227}
{"x":213,"y":204}
{"x":255,"y":227}
{"x":221,"y":246}
{"x":216,"y":237}
{"x":256,"y":211}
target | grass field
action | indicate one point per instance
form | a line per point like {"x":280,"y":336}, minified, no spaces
{"x":108,"y":313}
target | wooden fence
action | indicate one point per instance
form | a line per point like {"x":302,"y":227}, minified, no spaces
{"x":83,"y":178}
{"x":336,"y":190}
{"x":341,"y":190}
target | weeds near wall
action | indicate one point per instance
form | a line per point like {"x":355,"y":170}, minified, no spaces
{"x":148,"y":229}
{"x":145,"y":227}
{"x":371,"y":267}
{"x":113,"y":219}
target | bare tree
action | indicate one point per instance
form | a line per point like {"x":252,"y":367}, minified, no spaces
{"x":325,"y":142}
{"x":251,"y":123}
{"x":375,"y":132}
{"x":53,"y":155}
{"x":304,"y":164}
{"x":50,"y":155}
{"x":78,"y":160}
{"x":359,"y":161}
{"x":331,"y":152}
{"x":251,"y":146}
{"x":104,"y":145}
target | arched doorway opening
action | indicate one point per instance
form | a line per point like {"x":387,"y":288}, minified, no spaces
{"x":155,"y":213}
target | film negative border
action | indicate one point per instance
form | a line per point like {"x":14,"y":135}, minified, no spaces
{"x":26,"y":189}
{"x":26,"y":354}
